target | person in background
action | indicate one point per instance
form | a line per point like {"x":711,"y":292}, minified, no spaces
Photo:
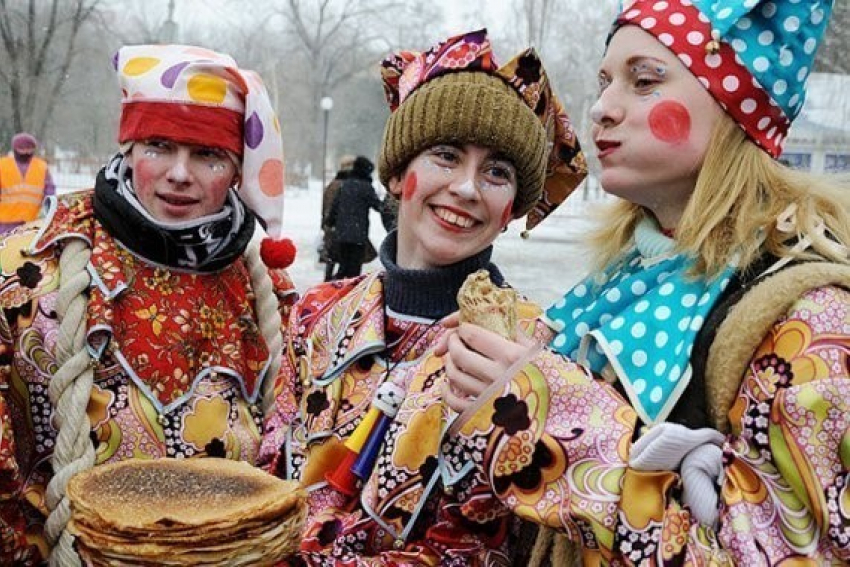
{"x":720,"y":311}
{"x":138,"y":319}
{"x":360,"y":417}
{"x":25,"y":183}
{"x":328,"y":253}
{"x":349,"y":218}
{"x":389,"y":212}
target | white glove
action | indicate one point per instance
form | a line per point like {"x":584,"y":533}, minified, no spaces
{"x":701,"y":470}
{"x":663,"y":447}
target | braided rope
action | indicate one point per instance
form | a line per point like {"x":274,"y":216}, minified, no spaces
{"x":560,"y":550}
{"x":541,"y":546}
{"x":565,"y":552}
{"x":69,"y":391}
{"x":268,"y":313}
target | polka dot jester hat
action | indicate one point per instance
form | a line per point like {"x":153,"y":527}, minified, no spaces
{"x":753,"y":56}
{"x":196,"y":96}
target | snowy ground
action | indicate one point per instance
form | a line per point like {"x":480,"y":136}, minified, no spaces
{"x":542,"y":267}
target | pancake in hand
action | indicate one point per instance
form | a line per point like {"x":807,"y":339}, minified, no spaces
{"x":485,"y":304}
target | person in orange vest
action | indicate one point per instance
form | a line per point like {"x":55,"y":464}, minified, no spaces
{"x":24,"y":183}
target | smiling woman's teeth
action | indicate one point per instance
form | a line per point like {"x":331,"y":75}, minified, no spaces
{"x":454,"y":219}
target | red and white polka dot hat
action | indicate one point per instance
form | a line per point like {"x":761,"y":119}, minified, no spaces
{"x":197,"y":96}
{"x":753,"y":56}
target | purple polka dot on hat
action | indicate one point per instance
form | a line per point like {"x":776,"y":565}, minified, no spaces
{"x":253,"y":131}
{"x":169,"y":77}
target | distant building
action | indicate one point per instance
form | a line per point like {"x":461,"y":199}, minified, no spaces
{"x":819,"y":140}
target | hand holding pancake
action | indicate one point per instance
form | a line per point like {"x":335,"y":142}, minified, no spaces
{"x":484,"y":341}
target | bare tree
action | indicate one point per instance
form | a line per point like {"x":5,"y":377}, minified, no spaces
{"x":572,"y":56}
{"x":337,"y":40}
{"x":537,"y":15}
{"x":39,"y":39}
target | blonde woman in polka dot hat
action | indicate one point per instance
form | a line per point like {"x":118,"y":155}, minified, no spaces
{"x":720,"y":312}
{"x":138,"y":319}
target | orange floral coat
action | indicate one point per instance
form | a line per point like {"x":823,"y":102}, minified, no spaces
{"x":180,"y":363}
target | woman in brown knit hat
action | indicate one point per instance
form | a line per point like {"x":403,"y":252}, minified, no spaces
{"x":360,"y":417}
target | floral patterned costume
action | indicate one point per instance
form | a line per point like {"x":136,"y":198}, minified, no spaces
{"x":553,"y":446}
{"x":180,"y":363}
{"x":429,"y":500}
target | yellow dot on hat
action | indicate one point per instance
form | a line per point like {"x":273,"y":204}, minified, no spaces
{"x":207,"y":88}
{"x":271,"y":177}
{"x":139,"y":65}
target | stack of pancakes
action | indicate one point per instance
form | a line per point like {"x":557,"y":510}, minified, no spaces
{"x":184,"y":512}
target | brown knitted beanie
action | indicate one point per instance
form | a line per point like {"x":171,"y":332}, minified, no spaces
{"x":469,"y":108}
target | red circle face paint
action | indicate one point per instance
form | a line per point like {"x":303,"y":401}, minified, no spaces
{"x":670,"y":122}
{"x":409,"y":187}
{"x":143,"y":172}
{"x":506,"y":214}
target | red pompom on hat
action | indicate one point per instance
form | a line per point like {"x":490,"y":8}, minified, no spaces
{"x":277,"y":254}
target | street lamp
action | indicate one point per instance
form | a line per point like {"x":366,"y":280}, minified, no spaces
{"x":327,"y":103}
{"x":168,"y":30}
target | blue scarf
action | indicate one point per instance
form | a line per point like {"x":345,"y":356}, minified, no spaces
{"x":639,"y":318}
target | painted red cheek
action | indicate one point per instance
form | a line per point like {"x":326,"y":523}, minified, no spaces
{"x":670,"y":122}
{"x":142,"y":172}
{"x":409,"y":187}
{"x":506,"y":214}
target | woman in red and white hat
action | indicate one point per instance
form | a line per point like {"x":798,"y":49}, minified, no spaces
{"x":139,"y":320}
{"x":720,"y":311}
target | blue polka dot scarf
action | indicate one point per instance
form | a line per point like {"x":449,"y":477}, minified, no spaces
{"x":639,"y":319}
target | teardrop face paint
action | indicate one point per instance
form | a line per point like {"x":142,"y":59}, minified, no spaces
{"x":653,"y":124}
{"x":444,"y":217}
{"x":177,"y":182}
{"x":466,"y":189}
{"x":670,"y":122}
{"x":409,"y":187}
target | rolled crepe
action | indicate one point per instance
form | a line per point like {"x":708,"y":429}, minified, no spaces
{"x":485,"y":304}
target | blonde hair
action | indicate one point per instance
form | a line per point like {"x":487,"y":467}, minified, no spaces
{"x":739,"y":195}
